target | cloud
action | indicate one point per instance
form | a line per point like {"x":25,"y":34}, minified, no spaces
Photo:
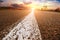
{"x":52,"y":3}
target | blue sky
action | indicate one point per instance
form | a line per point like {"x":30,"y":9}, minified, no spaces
{"x":22,"y":0}
{"x":58,"y":0}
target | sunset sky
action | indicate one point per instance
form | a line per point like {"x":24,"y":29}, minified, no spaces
{"x":17,"y":1}
{"x":49,"y":3}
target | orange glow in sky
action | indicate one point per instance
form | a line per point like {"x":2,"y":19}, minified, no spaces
{"x":35,"y":3}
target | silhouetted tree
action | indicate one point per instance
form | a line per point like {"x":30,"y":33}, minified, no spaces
{"x":58,"y":9}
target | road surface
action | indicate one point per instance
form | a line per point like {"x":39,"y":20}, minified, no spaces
{"x":49,"y":24}
{"x":27,"y":29}
{"x":9,"y":17}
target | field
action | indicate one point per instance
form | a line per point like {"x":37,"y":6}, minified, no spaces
{"x":49,"y":22}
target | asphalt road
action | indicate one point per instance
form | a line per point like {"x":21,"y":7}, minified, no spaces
{"x":49,"y":23}
{"x":9,"y":18}
{"x":27,"y":29}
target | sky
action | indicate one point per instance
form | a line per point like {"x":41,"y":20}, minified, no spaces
{"x":17,"y":1}
{"x":50,"y":3}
